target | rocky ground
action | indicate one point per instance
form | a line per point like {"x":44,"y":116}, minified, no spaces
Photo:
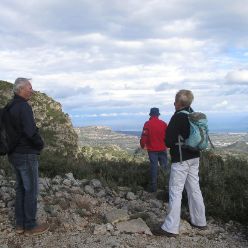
{"x":85,"y":213}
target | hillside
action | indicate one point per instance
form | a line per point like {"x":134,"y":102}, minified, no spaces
{"x":101,"y":143}
{"x":104,"y":136}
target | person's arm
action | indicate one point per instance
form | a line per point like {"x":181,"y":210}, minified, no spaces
{"x":144,"y":136}
{"x":29,"y":127}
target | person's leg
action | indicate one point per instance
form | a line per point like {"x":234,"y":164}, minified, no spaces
{"x":18,"y":164}
{"x":26,"y":169}
{"x":162,"y":159}
{"x":153,"y":156}
{"x":178,"y":176}
{"x":195,"y":199}
{"x":30,"y":182}
{"x":27,"y":165}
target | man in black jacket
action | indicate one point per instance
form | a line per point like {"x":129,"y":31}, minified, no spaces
{"x":24,"y":159}
{"x":183,"y":173}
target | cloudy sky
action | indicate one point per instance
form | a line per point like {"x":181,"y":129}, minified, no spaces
{"x":108,"y":61}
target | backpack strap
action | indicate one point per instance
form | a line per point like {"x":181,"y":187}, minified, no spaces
{"x":10,"y":104}
{"x":181,"y":139}
{"x":184,"y":111}
{"x":179,"y":144}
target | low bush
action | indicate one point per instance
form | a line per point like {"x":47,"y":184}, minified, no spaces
{"x":224,"y":183}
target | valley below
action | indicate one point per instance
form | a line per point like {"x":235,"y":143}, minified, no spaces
{"x":100,"y":136}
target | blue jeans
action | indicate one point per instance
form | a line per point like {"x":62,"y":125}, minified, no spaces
{"x":155,"y":158}
{"x":26,"y":169}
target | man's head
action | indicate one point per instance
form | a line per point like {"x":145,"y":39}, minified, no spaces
{"x":154,"y":112}
{"x":23,"y":88}
{"x":183,"y":99}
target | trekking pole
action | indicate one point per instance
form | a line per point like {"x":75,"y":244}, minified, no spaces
{"x":180,"y":147}
{"x":210,"y":142}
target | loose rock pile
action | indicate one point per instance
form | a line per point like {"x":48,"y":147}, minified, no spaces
{"x":84,"y":213}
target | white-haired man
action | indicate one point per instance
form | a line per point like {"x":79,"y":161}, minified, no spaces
{"x":24,"y":159}
{"x":183,"y":173}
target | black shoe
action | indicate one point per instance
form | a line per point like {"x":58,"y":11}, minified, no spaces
{"x":198,"y":227}
{"x":160,"y":232}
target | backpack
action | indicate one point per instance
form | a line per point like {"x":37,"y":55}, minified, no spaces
{"x":198,"y":138}
{"x":9,"y":133}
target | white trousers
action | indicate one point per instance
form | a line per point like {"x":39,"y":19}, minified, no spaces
{"x":184,"y":174}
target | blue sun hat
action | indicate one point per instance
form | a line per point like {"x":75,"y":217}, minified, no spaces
{"x":154,"y":112}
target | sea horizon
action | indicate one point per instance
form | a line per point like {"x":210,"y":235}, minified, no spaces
{"x":138,"y":131}
{"x":217,"y":132}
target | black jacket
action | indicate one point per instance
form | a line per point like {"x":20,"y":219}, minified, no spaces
{"x":179,"y":125}
{"x":30,"y":141}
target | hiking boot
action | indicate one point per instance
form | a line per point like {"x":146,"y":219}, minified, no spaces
{"x":160,"y":232}
{"x":198,"y":227}
{"x":19,"y":230}
{"x":40,"y":229}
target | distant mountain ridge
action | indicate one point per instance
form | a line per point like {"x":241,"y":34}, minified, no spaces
{"x":104,"y":136}
{"x":99,"y":143}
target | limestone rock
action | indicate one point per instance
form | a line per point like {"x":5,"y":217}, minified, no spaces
{"x":70,"y":176}
{"x":131,"y":196}
{"x":89,"y":190}
{"x":156,"y":203}
{"x":134,"y":226}
{"x":185,"y":227}
{"x":116,"y":215}
{"x":95,"y":183}
{"x":100,"y":229}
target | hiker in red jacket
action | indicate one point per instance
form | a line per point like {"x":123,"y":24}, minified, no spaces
{"x":153,"y":140}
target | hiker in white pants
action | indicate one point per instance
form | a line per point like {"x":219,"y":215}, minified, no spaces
{"x":184,"y":174}
{"x":184,"y":171}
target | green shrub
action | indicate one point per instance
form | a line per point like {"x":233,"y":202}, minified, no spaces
{"x":224,"y":183}
{"x":55,"y":163}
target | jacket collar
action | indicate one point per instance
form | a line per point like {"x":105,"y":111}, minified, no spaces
{"x":17,"y":97}
{"x":153,"y":117}
{"x":189,"y":109}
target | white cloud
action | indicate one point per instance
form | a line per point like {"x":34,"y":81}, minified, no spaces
{"x":178,"y":27}
{"x":110,"y":114}
{"x":221,"y":104}
{"x":237,"y":77}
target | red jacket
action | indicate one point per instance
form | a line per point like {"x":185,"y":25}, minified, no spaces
{"x":153,"y":135}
